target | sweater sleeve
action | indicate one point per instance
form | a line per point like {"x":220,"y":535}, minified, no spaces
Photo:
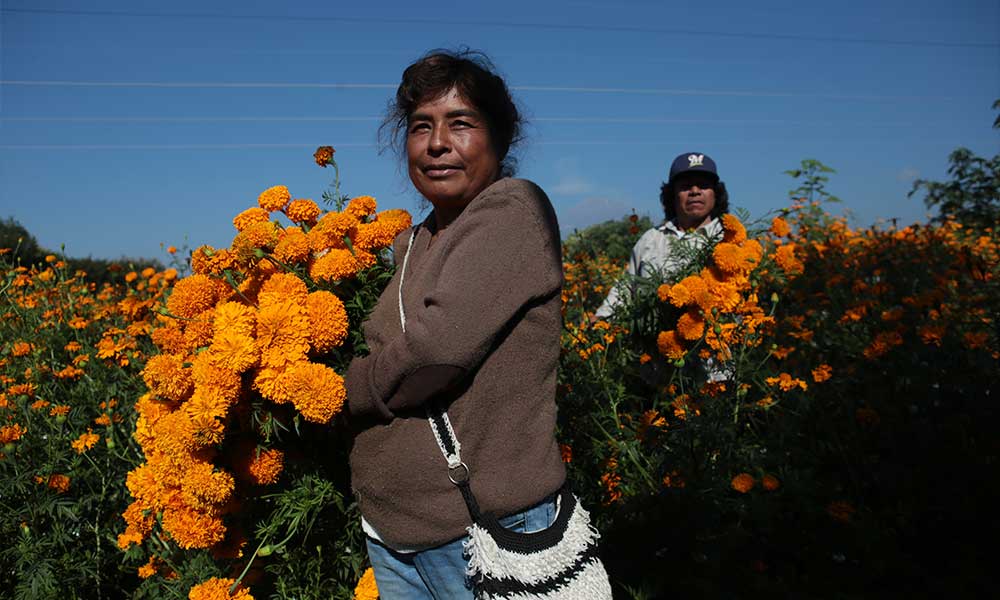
{"x":502,"y":254}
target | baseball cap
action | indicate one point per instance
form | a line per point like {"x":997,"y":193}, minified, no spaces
{"x":693,"y":161}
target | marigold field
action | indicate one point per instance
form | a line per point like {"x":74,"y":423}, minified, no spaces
{"x":806,"y":411}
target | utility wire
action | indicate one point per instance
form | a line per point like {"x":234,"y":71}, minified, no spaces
{"x":516,"y":88}
{"x":702,"y":33}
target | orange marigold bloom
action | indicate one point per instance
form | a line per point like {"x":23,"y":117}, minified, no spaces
{"x":779,"y":227}
{"x":691,"y":325}
{"x":382,"y":232}
{"x":266,"y":466}
{"x":85,"y":442}
{"x":234,"y":352}
{"x":822,"y":373}
{"x":234,"y":317}
{"x":271,"y":383}
{"x":195,"y":294}
{"x":974,"y":340}
{"x":730,"y":258}
{"x":192,"y":528}
{"x":282,"y":333}
{"x":786,"y":382}
{"x":11,"y":433}
{"x":743,"y":483}
{"x":317,"y":391}
{"x":786,"y":259}
{"x":59,"y":483}
{"x":40,"y":404}
{"x":566,"y":452}
{"x":198,"y":331}
{"x":166,"y":376}
{"x":329,"y":232}
{"x":340,"y":264}
{"x":213,"y":379}
{"x":323,"y":155}
{"x":60,"y":410}
{"x":150,"y":568}
{"x":218,"y":589}
{"x":770,"y":482}
{"x":328,"y":322}
{"x":302,"y":211}
{"x":686,"y":291}
{"x":366,"y":588}
{"x":256,"y":235}
{"x":733,"y":230}
{"x":72,"y":347}
{"x":274,"y":198}
{"x":281,"y":288}
{"x":249,"y":217}
{"x":361,"y":207}
{"x":645,"y":358}
{"x":932,"y":334}
{"x":21,"y":348}
{"x":204,"y":487}
{"x":293,"y":246}
{"x":840,"y":511}
{"x":670,"y":345}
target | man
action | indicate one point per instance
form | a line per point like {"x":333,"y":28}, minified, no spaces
{"x":693,"y":199}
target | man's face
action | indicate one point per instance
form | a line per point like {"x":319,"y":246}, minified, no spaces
{"x":695,"y":199}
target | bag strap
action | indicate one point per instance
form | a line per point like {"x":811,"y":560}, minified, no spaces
{"x":444,"y":433}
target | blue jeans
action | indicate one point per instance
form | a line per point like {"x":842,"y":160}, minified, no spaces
{"x":439,"y":573}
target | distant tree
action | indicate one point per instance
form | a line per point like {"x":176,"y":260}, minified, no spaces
{"x":972,"y":196}
{"x":613,"y":239}
{"x":25,"y":247}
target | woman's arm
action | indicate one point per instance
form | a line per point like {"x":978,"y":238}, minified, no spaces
{"x":502,"y":254}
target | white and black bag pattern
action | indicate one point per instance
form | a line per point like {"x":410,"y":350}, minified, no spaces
{"x":559,"y":562}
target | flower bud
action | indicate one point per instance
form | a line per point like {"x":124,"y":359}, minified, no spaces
{"x":265,"y":550}
{"x":774,"y":297}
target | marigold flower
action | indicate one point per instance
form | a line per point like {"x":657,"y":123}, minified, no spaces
{"x":195,"y":294}
{"x":193,"y":529}
{"x":331,"y":229}
{"x":11,"y":433}
{"x":645,"y":358}
{"x":732,"y":229}
{"x":730,"y":258}
{"x":366,"y":588}
{"x":932,"y":333}
{"x":218,"y":589}
{"x":249,"y":217}
{"x":328,"y":322}
{"x":72,"y":347}
{"x":779,"y":227}
{"x":234,"y":352}
{"x":302,"y":211}
{"x":691,"y":325}
{"x":822,"y":373}
{"x":382,"y":232}
{"x":684,"y":292}
{"x":59,"y":483}
{"x":340,"y":264}
{"x":770,"y":482}
{"x":166,"y":376}
{"x":786,"y":382}
{"x":670,"y":344}
{"x":361,"y":207}
{"x":281,"y":288}
{"x":265,"y":467}
{"x":974,"y":340}
{"x":743,"y":483}
{"x":293,"y":246}
{"x":204,"y":487}
{"x":85,"y":442}
{"x":317,"y":391}
{"x":786,"y":259}
{"x":234,"y":317}
{"x":566,"y":452}
{"x":59,"y":410}
{"x":274,"y":198}
{"x":840,"y":511}
{"x":22,"y":348}
{"x":282,"y":333}
{"x":323,"y":155}
{"x":171,"y":249}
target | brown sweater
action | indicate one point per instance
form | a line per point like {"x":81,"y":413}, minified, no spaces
{"x":483,"y":320}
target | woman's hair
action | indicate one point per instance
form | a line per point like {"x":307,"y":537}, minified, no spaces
{"x":668,"y":194}
{"x":472,"y":74}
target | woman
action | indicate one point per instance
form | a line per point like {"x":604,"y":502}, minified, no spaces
{"x":481,"y":298}
{"x":693,"y":199}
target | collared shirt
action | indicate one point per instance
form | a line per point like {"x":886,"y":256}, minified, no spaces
{"x":657,"y":254}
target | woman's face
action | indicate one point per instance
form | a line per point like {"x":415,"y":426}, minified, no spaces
{"x":450,"y":153}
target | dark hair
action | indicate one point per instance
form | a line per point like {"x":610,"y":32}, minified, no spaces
{"x":668,"y":194}
{"x":474,"y":76}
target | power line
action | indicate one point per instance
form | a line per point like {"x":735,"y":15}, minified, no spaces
{"x":516,"y":88}
{"x":702,"y":33}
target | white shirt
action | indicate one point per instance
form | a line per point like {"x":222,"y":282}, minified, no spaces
{"x":656,"y":253}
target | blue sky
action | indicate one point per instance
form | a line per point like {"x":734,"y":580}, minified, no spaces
{"x":124,"y":125}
